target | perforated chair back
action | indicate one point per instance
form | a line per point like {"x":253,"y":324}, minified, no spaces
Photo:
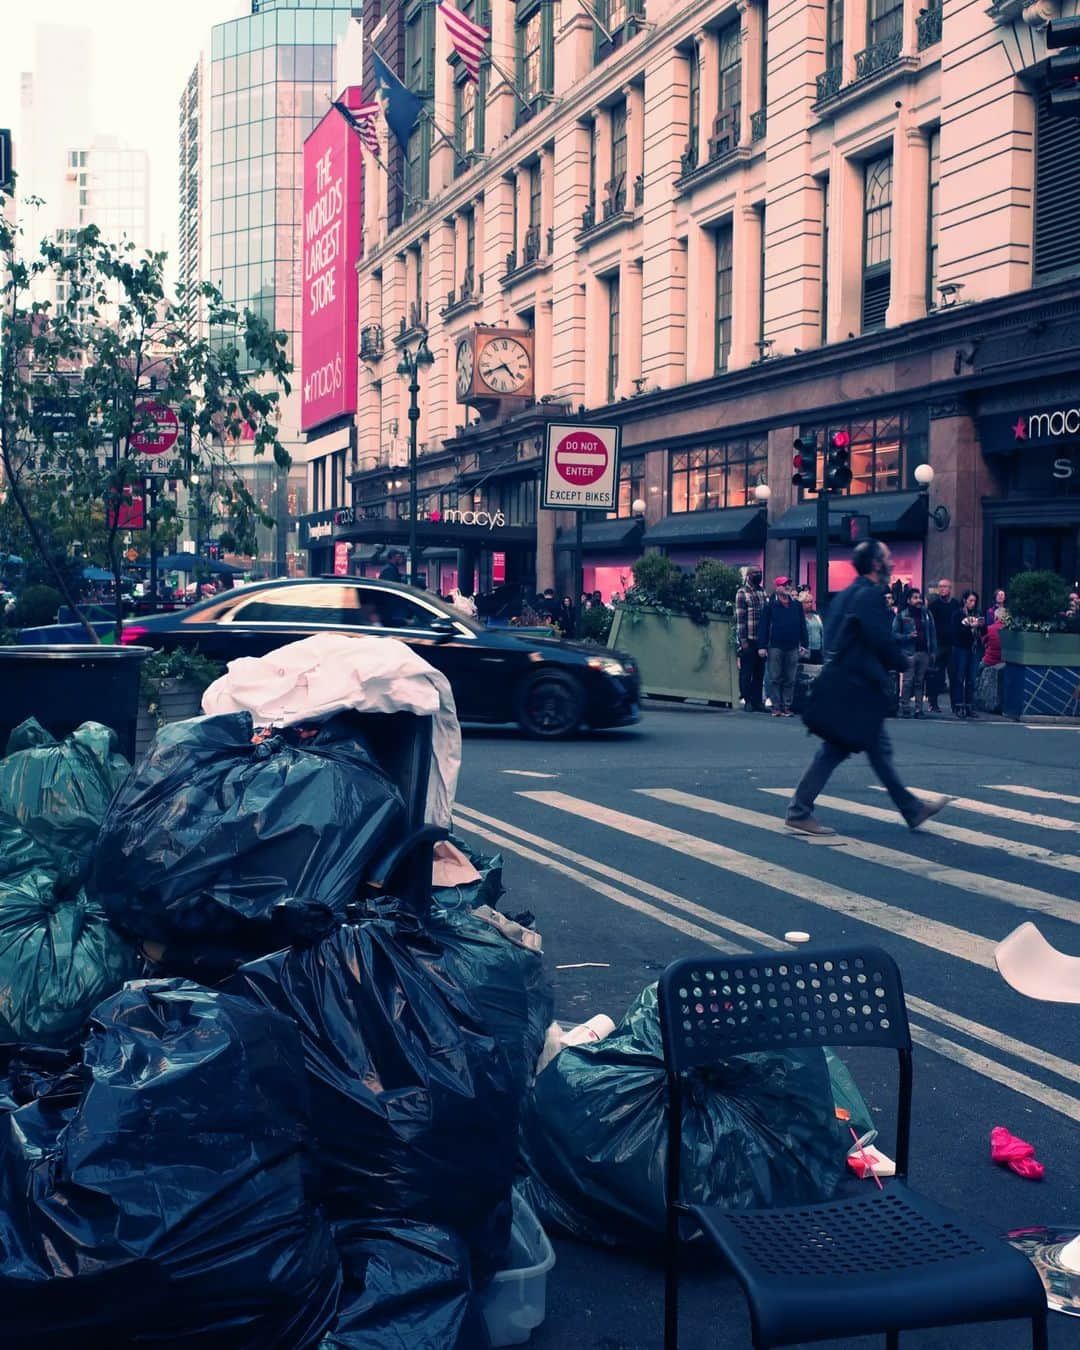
{"x":714,"y":1006}
{"x":401,"y":743}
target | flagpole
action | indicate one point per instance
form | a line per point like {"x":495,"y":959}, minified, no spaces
{"x":596,"y":19}
{"x":508,"y":81}
{"x":429,"y":114}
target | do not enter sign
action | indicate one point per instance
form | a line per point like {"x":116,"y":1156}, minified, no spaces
{"x":581,"y":468}
{"x":159,"y":428}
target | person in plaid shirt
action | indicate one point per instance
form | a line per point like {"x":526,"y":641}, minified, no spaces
{"x":749,"y":602}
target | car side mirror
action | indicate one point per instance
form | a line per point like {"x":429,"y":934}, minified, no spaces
{"x":443,"y":629}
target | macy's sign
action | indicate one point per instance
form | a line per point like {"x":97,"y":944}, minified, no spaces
{"x":488,"y":520}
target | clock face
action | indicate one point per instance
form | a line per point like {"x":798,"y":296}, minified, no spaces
{"x":464,"y":364}
{"x":504,"y":365}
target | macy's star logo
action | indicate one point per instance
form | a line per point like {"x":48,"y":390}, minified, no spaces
{"x":1020,"y":430}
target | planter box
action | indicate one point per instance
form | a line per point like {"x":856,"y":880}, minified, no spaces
{"x":678,"y":658}
{"x":1042,"y":674}
{"x":176,"y":701}
{"x":1040,"y":649}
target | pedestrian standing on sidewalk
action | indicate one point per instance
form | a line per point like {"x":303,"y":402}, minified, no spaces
{"x":999,"y":603}
{"x":858,"y":634}
{"x":749,"y":602}
{"x":915,"y":631}
{"x":942,"y":609}
{"x":815,"y":628}
{"x":781,"y":635}
{"x":967,"y":640}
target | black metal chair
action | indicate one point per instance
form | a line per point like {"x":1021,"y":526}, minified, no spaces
{"x":875,"y":1261}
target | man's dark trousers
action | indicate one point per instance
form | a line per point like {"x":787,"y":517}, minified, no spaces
{"x":829,"y":757}
{"x":751,"y":676}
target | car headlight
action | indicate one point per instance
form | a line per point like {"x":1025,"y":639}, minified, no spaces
{"x":607,"y":664}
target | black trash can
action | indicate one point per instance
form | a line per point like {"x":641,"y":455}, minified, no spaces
{"x":66,"y":685}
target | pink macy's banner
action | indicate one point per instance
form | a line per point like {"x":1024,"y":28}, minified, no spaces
{"x":333,"y":215}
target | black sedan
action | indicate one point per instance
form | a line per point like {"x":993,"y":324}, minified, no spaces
{"x":550,"y":688}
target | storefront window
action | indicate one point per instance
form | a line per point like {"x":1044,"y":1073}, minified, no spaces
{"x":631,"y":488}
{"x":719,"y":476}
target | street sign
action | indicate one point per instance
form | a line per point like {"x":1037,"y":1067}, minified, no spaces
{"x":161,"y":436}
{"x":581,"y":468}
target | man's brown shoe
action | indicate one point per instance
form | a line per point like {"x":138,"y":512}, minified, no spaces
{"x":926,"y":810}
{"x":808,"y":825}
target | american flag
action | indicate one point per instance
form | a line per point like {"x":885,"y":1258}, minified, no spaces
{"x":363,"y":116}
{"x":466,"y":38}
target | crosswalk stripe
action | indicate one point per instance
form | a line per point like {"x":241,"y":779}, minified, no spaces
{"x":1009,"y":892}
{"x":620,"y":897}
{"x":754,"y":935}
{"x":929,"y":932}
{"x":1001,"y":1073}
{"x":998,"y":812}
{"x":509,"y":838}
{"x":1020,"y":790}
{"x":1065,"y":862}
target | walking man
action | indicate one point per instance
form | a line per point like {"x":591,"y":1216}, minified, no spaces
{"x":781,"y":635}
{"x":395,"y":561}
{"x":942,"y":609}
{"x":749,"y":602}
{"x":858,"y":631}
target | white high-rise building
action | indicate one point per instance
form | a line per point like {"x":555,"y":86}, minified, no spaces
{"x":107,"y":184}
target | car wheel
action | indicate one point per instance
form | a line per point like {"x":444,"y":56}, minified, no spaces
{"x":550,"y":704}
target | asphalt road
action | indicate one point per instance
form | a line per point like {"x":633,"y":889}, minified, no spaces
{"x":638,"y":846}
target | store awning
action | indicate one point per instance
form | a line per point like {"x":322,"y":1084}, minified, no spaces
{"x":603,"y":536}
{"x":738,"y":525}
{"x":367,"y":552}
{"x":896,"y":514}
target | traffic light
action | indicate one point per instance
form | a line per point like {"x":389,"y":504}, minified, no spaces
{"x":804,"y":462}
{"x":1063,"y":72}
{"x":838,"y":462}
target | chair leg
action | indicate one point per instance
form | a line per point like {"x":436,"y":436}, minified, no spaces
{"x":1039,"y":1340}
{"x":671,"y":1295}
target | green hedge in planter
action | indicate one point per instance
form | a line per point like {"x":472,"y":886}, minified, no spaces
{"x":171,"y":686}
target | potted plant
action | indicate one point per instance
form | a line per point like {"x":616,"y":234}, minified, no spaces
{"x":679,"y":626}
{"x":1040,"y":643}
{"x":171,"y":686}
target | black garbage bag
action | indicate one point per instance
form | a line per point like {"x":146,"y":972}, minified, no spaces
{"x":59,"y":791}
{"x":217,"y":828}
{"x":157,"y":1193}
{"x":59,"y":957}
{"x":27,"y":1072}
{"x":504,"y":978}
{"x":414,"y":1105}
{"x":405,"y":1286}
{"x":472,"y":894}
{"x":758,"y":1130}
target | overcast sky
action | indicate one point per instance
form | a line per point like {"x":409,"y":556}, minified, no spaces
{"x":144,"y":51}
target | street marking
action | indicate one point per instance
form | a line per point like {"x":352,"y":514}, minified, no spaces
{"x":1032,"y":1054}
{"x":1021,"y":791}
{"x":992,"y":809}
{"x":999,"y":1073}
{"x":1011,"y":893}
{"x":645,"y":887}
{"x":978,"y":838}
{"x":601,"y":888}
{"x":1044,"y":727}
{"x":915,"y":927}
{"x":530,"y":773}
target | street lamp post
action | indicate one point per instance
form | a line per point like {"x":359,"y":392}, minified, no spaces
{"x":409,"y":368}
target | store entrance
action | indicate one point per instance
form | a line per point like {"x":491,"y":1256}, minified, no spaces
{"x":1023,"y":549}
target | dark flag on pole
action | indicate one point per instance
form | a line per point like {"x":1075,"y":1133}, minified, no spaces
{"x":403,"y":107}
{"x":468,"y":39}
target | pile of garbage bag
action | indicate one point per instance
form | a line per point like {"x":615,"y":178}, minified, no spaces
{"x":59,"y":954}
{"x":409,"y":1087}
{"x":225,"y":844}
{"x":157,"y":1191}
{"x":758,"y":1130}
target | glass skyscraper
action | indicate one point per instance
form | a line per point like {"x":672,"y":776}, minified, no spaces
{"x":270,"y":78}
